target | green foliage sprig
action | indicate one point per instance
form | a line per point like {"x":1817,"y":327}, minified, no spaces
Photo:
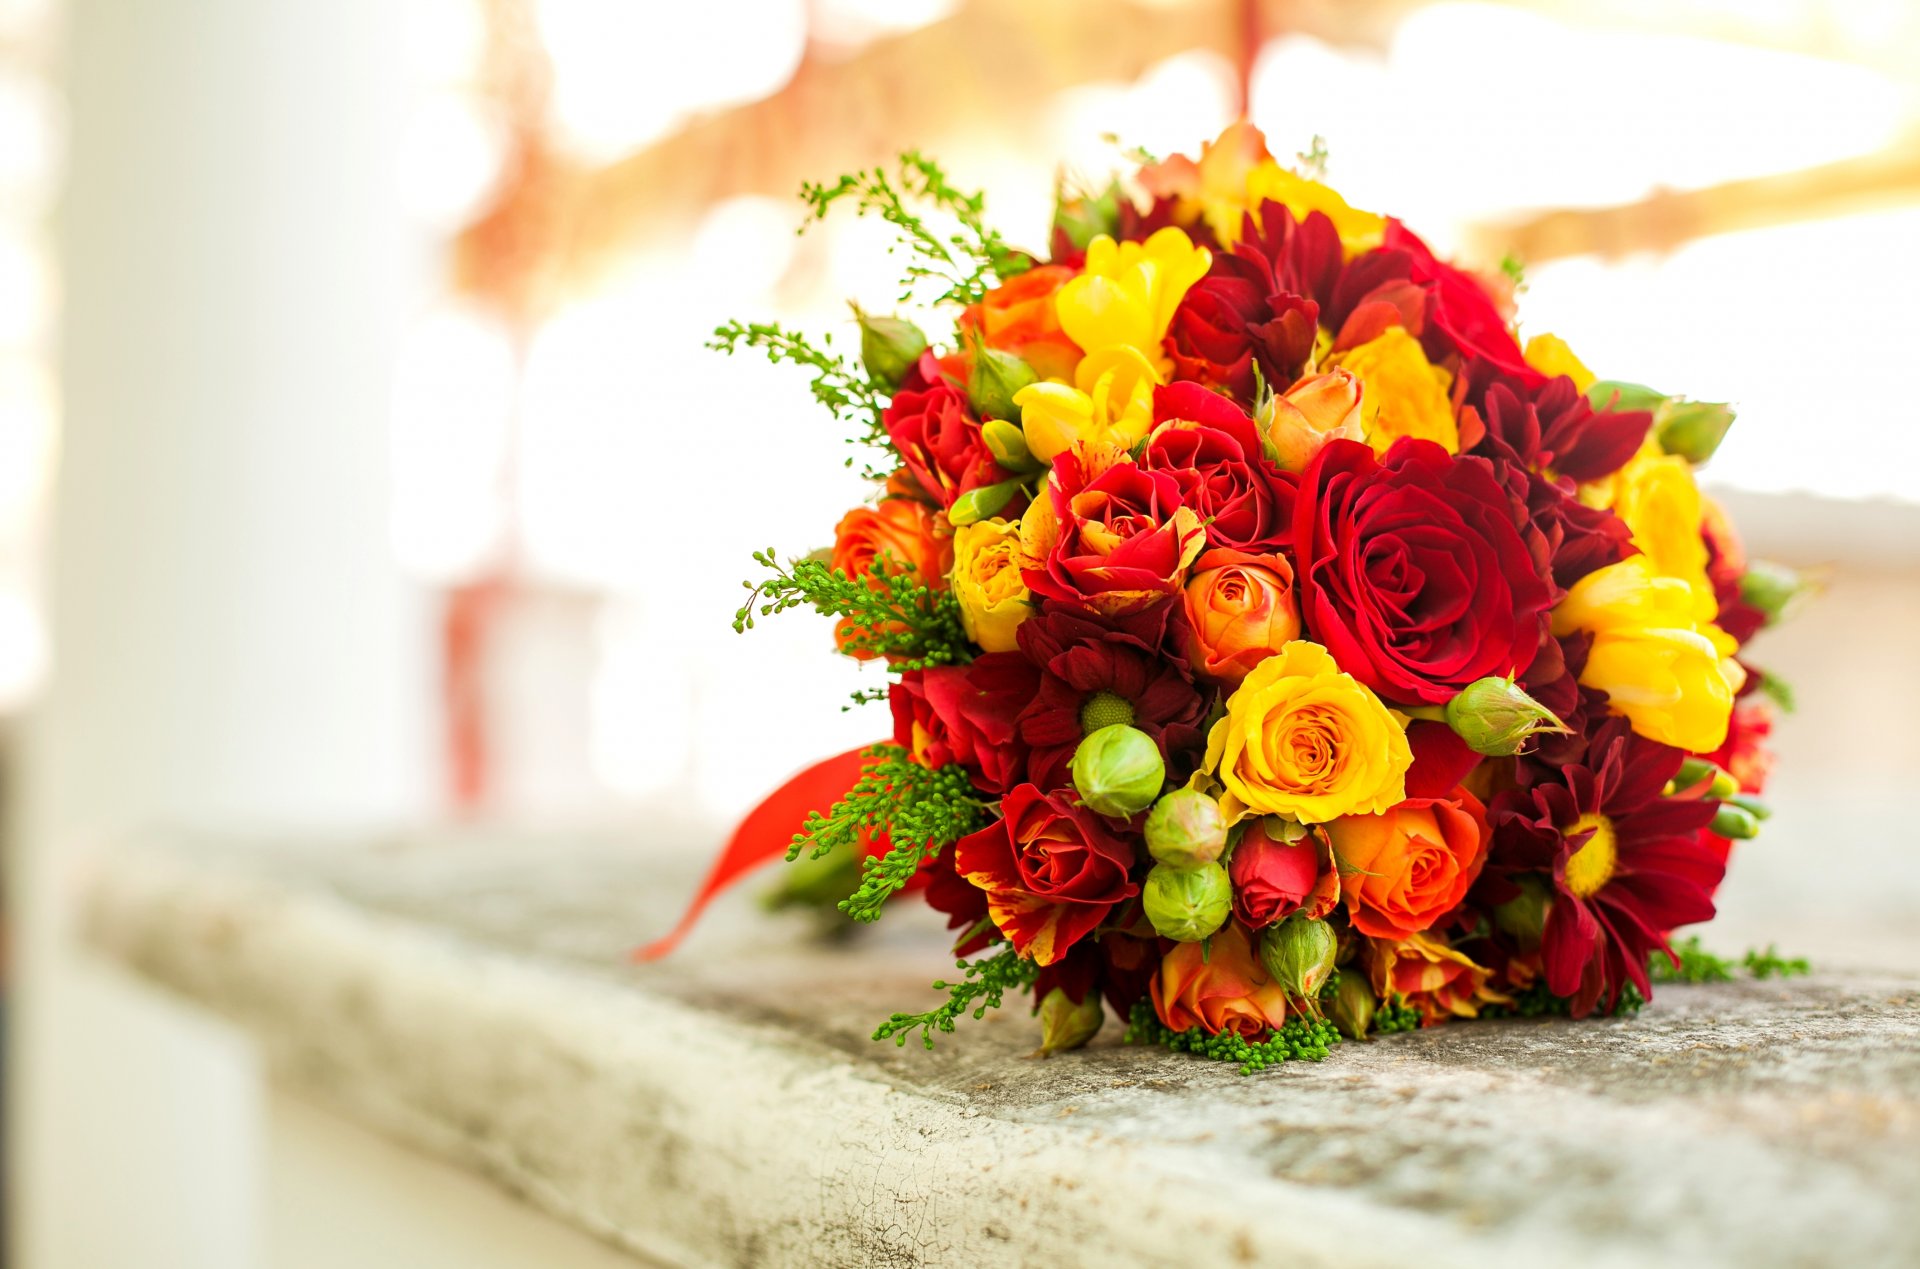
{"x":842,"y":386}
{"x":1698,"y":965}
{"x":893,"y":615}
{"x":984,"y":986}
{"x":1301,"y":1040}
{"x":920,"y":809}
{"x":966,"y":263}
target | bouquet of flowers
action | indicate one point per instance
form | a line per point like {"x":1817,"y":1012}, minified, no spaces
{"x":1278,"y":648}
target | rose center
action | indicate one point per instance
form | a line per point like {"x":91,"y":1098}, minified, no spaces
{"x":1104,"y":709}
{"x":1592,"y":866}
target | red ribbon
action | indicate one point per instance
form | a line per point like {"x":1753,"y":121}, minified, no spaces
{"x":764,"y":834}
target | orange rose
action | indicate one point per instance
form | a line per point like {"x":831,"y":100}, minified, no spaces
{"x":893,"y":538}
{"x":1019,"y":318}
{"x":1405,"y":868}
{"x":1220,"y":988}
{"x":1241,"y":610}
{"x":1434,"y":979}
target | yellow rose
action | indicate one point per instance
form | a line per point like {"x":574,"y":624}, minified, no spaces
{"x":1672,"y":675}
{"x":1303,"y":739}
{"x":986,"y":581}
{"x":1402,"y":393}
{"x":1114,"y":404}
{"x":1269,"y":182}
{"x":1550,"y":355}
{"x":1128,"y":292}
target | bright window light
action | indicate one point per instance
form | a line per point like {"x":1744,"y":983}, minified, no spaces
{"x":1798,"y":326}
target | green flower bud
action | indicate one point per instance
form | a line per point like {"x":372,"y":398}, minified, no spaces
{"x":1118,"y":770}
{"x":1008,"y":445}
{"x":1735,"y":822}
{"x":1496,"y":717}
{"x":1694,"y":772}
{"x":981,"y":504}
{"x":1065,"y":1025}
{"x":1298,"y":953}
{"x":1692,"y":429}
{"x":1751,"y":805}
{"x":1615,"y":394}
{"x":1352,"y":1006}
{"x":1525,"y":916}
{"x":996,"y":377}
{"x":1086,"y":217}
{"x":1775,"y":589}
{"x":888,"y":347}
{"x":1187,"y":904}
{"x":1186,"y":828}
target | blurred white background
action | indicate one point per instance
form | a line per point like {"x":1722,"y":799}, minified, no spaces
{"x":361,"y":461}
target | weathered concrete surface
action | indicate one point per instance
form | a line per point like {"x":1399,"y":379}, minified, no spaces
{"x":470,"y":996}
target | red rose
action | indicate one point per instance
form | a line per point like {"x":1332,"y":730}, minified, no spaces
{"x":1411,"y":571}
{"x":1113,"y":539}
{"x":967,"y":714}
{"x":1051,"y":871}
{"x":1461,"y":315}
{"x":931,"y":424}
{"x":1273,"y":879}
{"x":1212,"y":450}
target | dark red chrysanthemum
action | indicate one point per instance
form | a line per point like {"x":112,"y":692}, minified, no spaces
{"x":1097,"y":670}
{"x":1626,"y":865}
{"x":1551,"y":427}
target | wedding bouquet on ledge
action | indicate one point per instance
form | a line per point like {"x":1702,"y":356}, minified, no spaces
{"x":1278,"y":649}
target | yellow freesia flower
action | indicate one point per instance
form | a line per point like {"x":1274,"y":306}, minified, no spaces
{"x":1114,"y":404}
{"x":1402,"y":394}
{"x":1128,"y":292}
{"x":1655,"y":493}
{"x":1671,"y":675}
{"x":1269,"y":182}
{"x":1550,"y":355}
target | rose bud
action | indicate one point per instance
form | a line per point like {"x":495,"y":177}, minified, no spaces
{"x":995,"y":377}
{"x":1278,"y":869}
{"x":1186,"y":828}
{"x":983,"y":503}
{"x":1525,"y":915}
{"x":1775,"y":589}
{"x":1734,"y":821}
{"x":1695,"y":772}
{"x":1299,"y":954}
{"x":1352,"y":1006}
{"x":1065,"y":1025}
{"x":1621,"y":397}
{"x":1311,"y":413}
{"x":1692,"y":429}
{"x":1496,"y":717}
{"x":889,"y":346}
{"x":1008,"y":445}
{"x":1187,"y":904}
{"x":1118,"y":770}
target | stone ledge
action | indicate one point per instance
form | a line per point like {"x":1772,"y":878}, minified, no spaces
{"x":470,"y":997}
